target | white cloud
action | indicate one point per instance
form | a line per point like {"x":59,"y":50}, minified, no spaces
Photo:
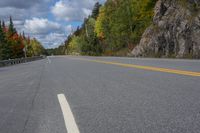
{"x":6,"y":12}
{"x":75,"y":10}
{"x":18,"y":22}
{"x":53,"y":40}
{"x":30,"y":16}
{"x":50,"y":33}
{"x":23,"y":9}
{"x":18,"y":4}
{"x":69,"y":28}
{"x":41,"y":26}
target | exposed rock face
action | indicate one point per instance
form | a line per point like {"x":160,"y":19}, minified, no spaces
{"x":175,"y":30}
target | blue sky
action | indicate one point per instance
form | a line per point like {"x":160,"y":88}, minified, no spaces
{"x":50,"y":21}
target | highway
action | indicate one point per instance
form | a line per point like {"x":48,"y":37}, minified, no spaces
{"x":66,"y":94}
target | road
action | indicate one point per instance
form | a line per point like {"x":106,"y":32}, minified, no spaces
{"x":100,"y":95}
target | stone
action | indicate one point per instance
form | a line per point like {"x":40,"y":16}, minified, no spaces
{"x":175,"y":31}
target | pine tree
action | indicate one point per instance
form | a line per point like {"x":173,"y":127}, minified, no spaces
{"x":2,"y":40}
{"x":3,"y":26}
{"x":11,"y":28}
{"x":95,"y":11}
{"x":1,"y":31}
{"x":23,"y":35}
{"x":2,"y":34}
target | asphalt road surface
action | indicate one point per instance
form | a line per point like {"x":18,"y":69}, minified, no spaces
{"x":100,"y":95}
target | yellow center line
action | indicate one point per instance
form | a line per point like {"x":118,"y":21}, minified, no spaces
{"x":150,"y":68}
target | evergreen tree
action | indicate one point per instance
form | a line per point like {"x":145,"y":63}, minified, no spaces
{"x":2,"y":37}
{"x":95,"y":11}
{"x":12,"y":43}
{"x":23,"y":35}
{"x":2,"y":34}
{"x":2,"y":41}
{"x":3,"y":25}
{"x":4,"y":49}
{"x":11,"y":28}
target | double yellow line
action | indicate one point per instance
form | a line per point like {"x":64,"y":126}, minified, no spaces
{"x":158,"y":69}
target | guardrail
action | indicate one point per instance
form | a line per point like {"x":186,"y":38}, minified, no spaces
{"x":18,"y":61}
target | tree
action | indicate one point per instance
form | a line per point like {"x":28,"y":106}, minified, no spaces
{"x":92,"y":47}
{"x":12,"y":43}
{"x":2,"y":34}
{"x":3,"y":25}
{"x":2,"y":41}
{"x":120,"y":23}
{"x":74,"y":45}
{"x":100,"y":24}
{"x":5,"y":50}
{"x":95,"y":11}
{"x":11,"y":29}
{"x":36,"y":47}
{"x":116,"y":26}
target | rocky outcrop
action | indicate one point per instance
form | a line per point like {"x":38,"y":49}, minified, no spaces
{"x":175,"y":30}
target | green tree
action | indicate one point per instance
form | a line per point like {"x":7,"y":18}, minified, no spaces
{"x":2,"y":41}
{"x":36,"y":47}
{"x":11,"y":28}
{"x":92,"y":46}
{"x":12,"y":43}
{"x":116,"y":26}
{"x":120,"y":23}
{"x":74,"y":45}
{"x":5,"y":49}
{"x":3,"y":25}
{"x":95,"y":11}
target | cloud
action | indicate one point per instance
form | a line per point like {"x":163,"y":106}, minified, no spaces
{"x":23,"y":9}
{"x":21,"y":4}
{"x":6,"y":12}
{"x":41,"y":26}
{"x":75,"y":10}
{"x":50,"y":33}
{"x":53,"y":40}
{"x":46,"y":19}
{"x":18,"y":22}
{"x":69,"y":28}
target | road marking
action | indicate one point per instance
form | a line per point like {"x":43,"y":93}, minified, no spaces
{"x":49,"y":61}
{"x":150,"y":68}
{"x":70,"y":122}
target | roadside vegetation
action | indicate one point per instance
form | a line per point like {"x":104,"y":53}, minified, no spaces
{"x":15,"y":45}
{"x":114,"y":28}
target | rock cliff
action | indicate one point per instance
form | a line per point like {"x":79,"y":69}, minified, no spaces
{"x":175,"y":31}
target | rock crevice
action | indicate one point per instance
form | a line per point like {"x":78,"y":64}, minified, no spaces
{"x":175,"y":31}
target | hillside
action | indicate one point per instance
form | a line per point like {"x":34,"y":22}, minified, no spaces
{"x":145,"y":28}
{"x":113,"y":28}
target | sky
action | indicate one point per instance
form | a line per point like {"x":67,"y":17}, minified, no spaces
{"x":49,"y":21}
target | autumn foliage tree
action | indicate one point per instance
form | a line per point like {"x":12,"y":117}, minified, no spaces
{"x":113,"y":28}
{"x":13,"y":44}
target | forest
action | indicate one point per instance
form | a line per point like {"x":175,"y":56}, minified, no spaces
{"x":17,"y":45}
{"x":113,"y":29}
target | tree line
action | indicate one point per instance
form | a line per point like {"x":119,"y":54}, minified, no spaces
{"x":17,"y":45}
{"x":114,"y":28}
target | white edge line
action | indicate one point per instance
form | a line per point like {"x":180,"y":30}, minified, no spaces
{"x":70,"y":122}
